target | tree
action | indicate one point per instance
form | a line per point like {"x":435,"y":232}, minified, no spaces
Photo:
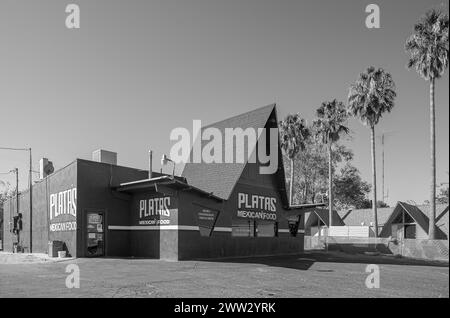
{"x":443,"y":196}
{"x":293,"y":135}
{"x":328,"y":128}
{"x":350,"y":190}
{"x":312,"y":174}
{"x":429,"y":52}
{"x":369,"y":98}
{"x":6,"y":191}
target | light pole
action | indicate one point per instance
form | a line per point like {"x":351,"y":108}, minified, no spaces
{"x":30,"y":184}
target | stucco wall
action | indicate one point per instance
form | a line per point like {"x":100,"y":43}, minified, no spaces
{"x":61,"y":180}
{"x":95,"y":183}
{"x":192,"y":245}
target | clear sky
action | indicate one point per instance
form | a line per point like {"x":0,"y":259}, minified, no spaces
{"x":137,"y":69}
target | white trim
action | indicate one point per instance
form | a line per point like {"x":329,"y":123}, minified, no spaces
{"x":222,"y":229}
{"x":145,"y":180}
{"x":163,"y":227}
{"x":287,"y":231}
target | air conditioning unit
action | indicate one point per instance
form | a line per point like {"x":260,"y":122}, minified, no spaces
{"x":104,"y":156}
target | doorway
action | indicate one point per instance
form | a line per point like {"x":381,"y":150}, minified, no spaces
{"x":95,"y":246}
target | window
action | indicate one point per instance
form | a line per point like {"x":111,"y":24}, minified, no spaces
{"x":410,"y":231}
{"x":243,"y":228}
{"x":266,"y":229}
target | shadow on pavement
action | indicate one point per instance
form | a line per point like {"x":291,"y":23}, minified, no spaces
{"x":306,"y":260}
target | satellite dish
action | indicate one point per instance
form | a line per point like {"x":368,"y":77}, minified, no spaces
{"x":49,"y":169}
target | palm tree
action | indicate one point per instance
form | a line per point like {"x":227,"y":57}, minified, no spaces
{"x":329,"y":127}
{"x":369,"y":98}
{"x":293,"y":135}
{"x":428,"y":49}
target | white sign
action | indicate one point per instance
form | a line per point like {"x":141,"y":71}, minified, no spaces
{"x":63,"y":203}
{"x":154,"y":207}
{"x":257,"y":207}
{"x":257,"y":202}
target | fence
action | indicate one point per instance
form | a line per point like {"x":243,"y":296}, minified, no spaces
{"x":421,"y":249}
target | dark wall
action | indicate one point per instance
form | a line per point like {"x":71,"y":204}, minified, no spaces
{"x":222,"y":244}
{"x":151,"y":242}
{"x":95,"y":183}
{"x":61,"y":180}
{"x":192,"y":245}
{"x":191,"y":202}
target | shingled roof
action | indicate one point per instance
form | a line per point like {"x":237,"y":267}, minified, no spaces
{"x":364,"y":217}
{"x":323,"y":215}
{"x":420,"y":214}
{"x":220,"y":178}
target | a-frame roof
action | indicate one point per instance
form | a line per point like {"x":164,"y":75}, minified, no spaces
{"x":323,"y":215}
{"x":221,"y":178}
{"x":419,"y":217}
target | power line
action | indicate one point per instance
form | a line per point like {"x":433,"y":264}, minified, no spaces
{"x":17,"y":149}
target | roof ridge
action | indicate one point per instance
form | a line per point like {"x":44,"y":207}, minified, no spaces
{"x":239,"y":115}
{"x":221,"y":178}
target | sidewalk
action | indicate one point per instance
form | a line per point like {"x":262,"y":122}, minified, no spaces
{"x":27,"y":258}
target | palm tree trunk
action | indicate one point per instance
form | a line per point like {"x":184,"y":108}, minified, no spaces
{"x":431,"y":230}
{"x":374,"y":180}
{"x":330,"y":185}
{"x":291,"y":183}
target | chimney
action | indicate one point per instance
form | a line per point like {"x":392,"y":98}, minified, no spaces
{"x":150,"y":164}
{"x":45,"y":168}
{"x":104,"y":156}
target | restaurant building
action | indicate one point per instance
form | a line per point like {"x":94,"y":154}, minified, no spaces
{"x":98,"y":208}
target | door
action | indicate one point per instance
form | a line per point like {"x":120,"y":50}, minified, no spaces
{"x":95,"y":234}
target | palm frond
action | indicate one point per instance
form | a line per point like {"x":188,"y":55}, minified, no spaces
{"x":428,"y":45}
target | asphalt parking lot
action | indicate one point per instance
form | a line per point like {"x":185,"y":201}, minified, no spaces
{"x":312,"y":274}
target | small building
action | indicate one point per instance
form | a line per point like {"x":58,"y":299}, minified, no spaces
{"x":408,"y":221}
{"x":98,"y":208}
{"x":317,"y":222}
{"x":404,"y":221}
{"x":363,"y":218}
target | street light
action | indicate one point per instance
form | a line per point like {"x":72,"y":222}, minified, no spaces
{"x":30,"y":182}
{"x":165,"y":160}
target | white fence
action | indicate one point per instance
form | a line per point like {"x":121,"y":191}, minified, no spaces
{"x":350,"y":231}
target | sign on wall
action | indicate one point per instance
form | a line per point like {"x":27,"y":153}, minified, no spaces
{"x":63,"y":211}
{"x":206,"y":219}
{"x":155,"y":211}
{"x":254,"y":206}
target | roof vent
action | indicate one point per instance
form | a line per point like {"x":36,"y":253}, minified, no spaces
{"x":104,"y":156}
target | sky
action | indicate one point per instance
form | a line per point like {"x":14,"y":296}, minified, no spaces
{"x":135,"y":70}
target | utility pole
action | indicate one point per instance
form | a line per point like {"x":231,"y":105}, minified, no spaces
{"x":31,"y":202}
{"x":382,"y":168}
{"x":30,"y":183}
{"x":17,"y":190}
{"x":383,"y":140}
